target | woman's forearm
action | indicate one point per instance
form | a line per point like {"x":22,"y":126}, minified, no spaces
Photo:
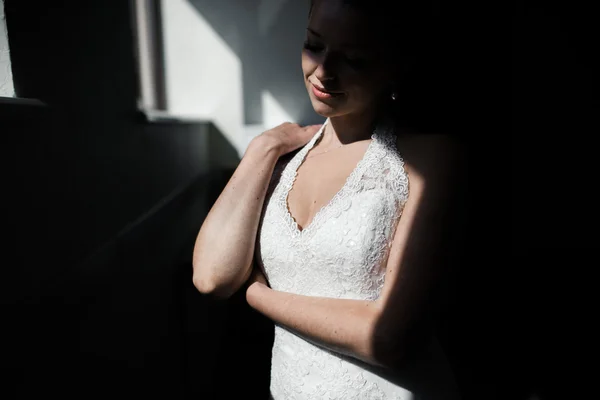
{"x":224,"y":246}
{"x":342,"y":325}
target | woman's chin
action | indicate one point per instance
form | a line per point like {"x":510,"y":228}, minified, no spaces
{"x":325,"y":110}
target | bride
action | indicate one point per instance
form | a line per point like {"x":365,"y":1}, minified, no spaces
{"x":336,"y":231}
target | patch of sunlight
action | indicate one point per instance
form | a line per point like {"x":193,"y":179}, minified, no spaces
{"x":6,"y":79}
{"x":203,"y":76}
{"x":273,"y":113}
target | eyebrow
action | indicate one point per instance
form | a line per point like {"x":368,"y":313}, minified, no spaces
{"x":314,"y":32}
{"x":347,"y":45}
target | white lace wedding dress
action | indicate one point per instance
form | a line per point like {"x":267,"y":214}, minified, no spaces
{"x":341,"y":254}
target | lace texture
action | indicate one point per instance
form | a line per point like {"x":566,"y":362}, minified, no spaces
{"x":341,"y":254}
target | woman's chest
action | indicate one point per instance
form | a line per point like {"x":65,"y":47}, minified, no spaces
{"x":317,"y":182}
{"x":342,"y":255}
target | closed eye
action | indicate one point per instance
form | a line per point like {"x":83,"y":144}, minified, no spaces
{"x":356,"y":62}
{"x":313,"y":47}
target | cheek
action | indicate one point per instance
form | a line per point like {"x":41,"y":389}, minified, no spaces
{"x":308,"y":64}
{"x":365,"y":89}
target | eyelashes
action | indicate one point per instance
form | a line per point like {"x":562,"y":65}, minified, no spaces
{"x":315,"y":48}
{"x":352,"y":61}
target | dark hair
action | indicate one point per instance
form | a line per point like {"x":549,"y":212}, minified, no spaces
{"x":408,"y":26}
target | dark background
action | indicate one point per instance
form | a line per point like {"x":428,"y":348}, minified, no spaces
{"x":101,"y":209}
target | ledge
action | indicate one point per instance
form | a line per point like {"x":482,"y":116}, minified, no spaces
{"x":17,"y":101}
{"x":160,"y":116}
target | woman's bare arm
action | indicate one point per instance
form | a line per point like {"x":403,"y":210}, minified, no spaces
{"x":376,"y":331}
{"x":224,"y":247}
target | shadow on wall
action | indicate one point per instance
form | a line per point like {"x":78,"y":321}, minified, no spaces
{"x":100,"y":210}
{"x":267,"y":36}
{"x":222,"y":155}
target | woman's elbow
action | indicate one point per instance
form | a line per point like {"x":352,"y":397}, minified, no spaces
{"x":209,"y":285}
{"x":385,"y":350}
{"x":394,"y":351}
{"x":389,"y":359}
{"x":203,"y":284}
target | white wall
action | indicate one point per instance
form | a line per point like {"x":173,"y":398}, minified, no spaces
{"x":6,"y":81}
{"x":236,"y":63}
{"x":203,"y":75}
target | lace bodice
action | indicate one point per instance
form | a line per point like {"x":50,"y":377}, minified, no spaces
{"x":340,"y":254}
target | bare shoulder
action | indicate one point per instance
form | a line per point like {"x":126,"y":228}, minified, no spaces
{"x":432,"y":147}
{"x":432,"y":156}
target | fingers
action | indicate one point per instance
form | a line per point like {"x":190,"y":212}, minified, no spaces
{"x":312,"y":127}
{"x":289,"y":124}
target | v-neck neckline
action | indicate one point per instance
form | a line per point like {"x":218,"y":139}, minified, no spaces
{"x":297,"y":230}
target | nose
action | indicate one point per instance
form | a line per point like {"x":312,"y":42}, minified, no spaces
{"x":326,"y":70}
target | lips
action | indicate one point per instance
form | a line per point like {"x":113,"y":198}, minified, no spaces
{"x":322,"y":93}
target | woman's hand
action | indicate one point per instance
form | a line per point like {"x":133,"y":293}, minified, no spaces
{"x":286,"y":137}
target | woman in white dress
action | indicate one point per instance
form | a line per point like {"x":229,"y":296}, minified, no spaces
{"x":336,"y":231}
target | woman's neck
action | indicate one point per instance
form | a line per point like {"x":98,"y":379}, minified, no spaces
{"x":349,"y":128}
